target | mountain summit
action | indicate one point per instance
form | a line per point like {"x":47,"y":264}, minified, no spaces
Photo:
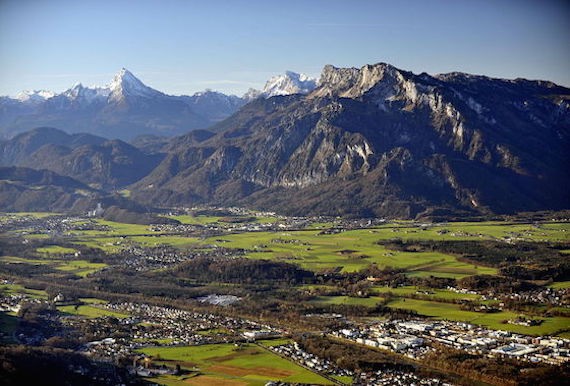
{"x":125,"y":85}
{"x":378,"y":140}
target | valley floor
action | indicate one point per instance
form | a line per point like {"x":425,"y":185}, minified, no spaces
{"x":233,"y":297}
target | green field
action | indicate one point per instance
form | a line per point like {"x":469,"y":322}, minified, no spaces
{"x":560,"y":285}
{"x":89,"y":311}
{"x":56,"y":250}
{"x":449,"y":311}
{"x":9,"y":289}
{"x":347,"y":300}
{"x":481,"y":230}
{"x":351,"y":251}
{"x":4,"y":216}
{"x":21,"y":260}
{"x":225,"y":364}
{"x":348,"y":251}
{"x":432,"y":293}
{"x":80,"y":268}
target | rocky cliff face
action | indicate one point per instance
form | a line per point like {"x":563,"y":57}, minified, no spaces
{"x":379,"y":140}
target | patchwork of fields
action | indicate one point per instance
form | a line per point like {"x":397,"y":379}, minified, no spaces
{"x":227,"y":364}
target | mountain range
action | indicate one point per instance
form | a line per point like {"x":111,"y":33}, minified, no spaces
{"x":127,"y":108}
{"x":369,"y":141}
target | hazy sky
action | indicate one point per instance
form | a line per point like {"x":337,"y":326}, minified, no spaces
{"x":181,"y":47}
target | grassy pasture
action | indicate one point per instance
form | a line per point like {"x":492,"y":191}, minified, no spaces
{"x":560,"y":285}
{"x":224,"y":364}
{"x":55,"y":250}
{"x":4,"y":216}
{"x":434,"y":293}
{"x":89,"y":311}
{"x":477,"y":231}
{"x":21,"y":260}
{"x":10,"y":289}
{"x":347,"y":300}
{"x":493,"y":320}
{"x":351,"y":251}
{"x":80,"y":268}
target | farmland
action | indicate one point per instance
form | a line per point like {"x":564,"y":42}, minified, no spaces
{"x":496,"y":321}
{"x":90,"y":308}
{"x":224,"y":364}
{"x":351,"y":251}
{"x":289,"y":275}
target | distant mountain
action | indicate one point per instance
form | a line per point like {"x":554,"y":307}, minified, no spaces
{"x":23,"y":189}
{"x":288,"y":84}
{"x":280,"y":85}
{"x":214,"y":106}
{"x":124,"y":109}
{"x":127,"y":108}
{"x":101,"y":163}
{"x":21,"y":147}
{"x":35,"y":96}
{"x":381,"y":141}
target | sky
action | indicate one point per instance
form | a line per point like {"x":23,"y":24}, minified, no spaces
{"x":185,"y":46}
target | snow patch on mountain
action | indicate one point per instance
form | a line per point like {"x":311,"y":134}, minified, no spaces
{"x":288,"y":84}
{"x":34,"y":96}
{"x":81,"y":93}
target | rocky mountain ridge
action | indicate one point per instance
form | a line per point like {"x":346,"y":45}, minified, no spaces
{"x":369,"y":141}
{"x":379,"y":140}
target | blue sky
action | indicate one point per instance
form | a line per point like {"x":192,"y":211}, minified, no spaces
{"x":181,"y":47}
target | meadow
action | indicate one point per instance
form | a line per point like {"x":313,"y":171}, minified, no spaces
{"x":80,"y":268}
{"x":496,"y":321}
{"x":371,"y":301}
{"x":435,"y":294}
{"x":89,"y":312}
{"x":90,"y":309}
{"x":12,"y":289}
{"x":348,"y":251}
{"x":226,"y":364}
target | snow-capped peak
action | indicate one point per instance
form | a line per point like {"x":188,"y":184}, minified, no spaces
{"x":89,"y":94}
{"x":34,"y":96}
{"x":289,"y":83}
{"x":126,"y":84}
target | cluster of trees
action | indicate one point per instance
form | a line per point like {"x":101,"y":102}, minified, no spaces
{"x":242,"y":271}
{"x":495,"y":283}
